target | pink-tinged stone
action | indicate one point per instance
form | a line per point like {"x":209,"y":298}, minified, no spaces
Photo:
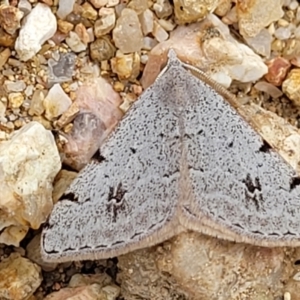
{"x":277,"y":70}
{"x":209,"y":46}
{"x":99,"y":113}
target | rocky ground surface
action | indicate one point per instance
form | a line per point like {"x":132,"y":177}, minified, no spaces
{"x":67,"y":64}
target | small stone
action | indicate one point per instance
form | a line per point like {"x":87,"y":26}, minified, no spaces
{"x":127,"y":34}
{"x":139,"y":6}
{"x":89,"y":12}
{"x":64,"y":26}
{"x":15,"y":100}
{"x":6,"y":40}
{"x":277,"y":70}
{"x":62,"y":181}
{"x":4,"y":56}
{"x":163,"y":8}
{"x":36,"y":106}
{"x":98,"y":3}
{"x":111,"y":3}
{"x":291,"y":86}
{"x":61,"y":70}
{"x":268,"y":88}
{"x":126,"y":66}
{"x":82,"y":33}
{"x":159,"y":33}
{"x":167,"y":25}
{"x":223,"y":8}
{"x":10,"y":18}
{"x":149,"y":43}
{"x":147,"y":19}
{"x":261,"y":43}
{"x":39,"y":26}
{"x":20,"y":278}
{"x":27,"y":195}
{"x":106,"y":22}
{"x":15,"y":86}
{"x":88,"y":287}
{"x":56,"y":102}
{"x":99,"y":105}
{"x":283,"y":33}
{"x":255,"y":15}
{"x":102,"y":49}
{"x":74,"y":42}
{"x":193,"y":10}
{"x":65,"y":7}
{"x":24,"y":6}
{"x":2,"y":110}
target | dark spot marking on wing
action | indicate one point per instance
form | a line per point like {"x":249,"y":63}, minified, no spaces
{"x":98,"y":157}
{"x":294,"y":182}
{"x":265,"y":147}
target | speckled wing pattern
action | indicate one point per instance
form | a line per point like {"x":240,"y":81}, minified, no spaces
{"x":182,"y":158}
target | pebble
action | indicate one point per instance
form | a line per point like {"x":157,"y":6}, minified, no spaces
{"x":4,"y":56}
{"x":61,"y":70}
{"x":19,"y":278}
{"x":88,"y":11}
{"x":39,"y":26}
{"x":193,"y":11}
{"x":36,"y":105}
{"x":10,"y":18}
{"x":15,"y":100}
{"x":127,"y":34}
{"x":291,"y":86}
{"x":36,"y":161}
{"x":93,"y":291}
{"x":126,"y":66}
{"x":56,"y":102}
{"x":65,"y":7}
{"x":102,"y":49}
{"x":62,"y":181}
{"x":147,"y":18}
{"x":64,"y":26}
{"x":15,"y":86}
{"x":268,"y":88}
{"x":106,"y":22}
{"x":253,"y":16}
{"x":99,"y":105}
{"x":75,"y":43}
{"x":163,"y":9}
{"x":278,"y":68}
{"x":261,"y":43}
{"x":24,"y":6}
{"x":159,"y":33}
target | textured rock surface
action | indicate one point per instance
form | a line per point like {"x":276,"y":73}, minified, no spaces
{"x":40,"y":25}
{"x":206,"y":268}
{"x":254,"y":15}
{"x":28,"y":166}
{"x":19,"y":278}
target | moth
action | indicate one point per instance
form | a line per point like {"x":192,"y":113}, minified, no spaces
{"x":183,"y":158}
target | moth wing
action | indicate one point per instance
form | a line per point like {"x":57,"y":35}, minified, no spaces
{"x":129,"y":199}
